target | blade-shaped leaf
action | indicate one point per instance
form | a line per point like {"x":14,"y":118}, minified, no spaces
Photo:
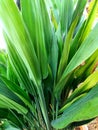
{"x":90,"y":20}
{"x":79,"y":8}
{"x":46,"y":25}
{"x":19,"y":67}
{"x":9,"y":94}
{"x":32,"y":12}
{"x":10,"y":104}
{"x":19,"y":92}
{"x":84,"y":52}
{"x":19,"y":37}
{"x":66,"y":15}
{"x":13,"y":117}
{"x":84,"y":30}
{"x":89,"y":66}
{"x":79,"y":111}
{"x":66,"y":49}
{"x":85,"y":86}
{"x":3,"y":63}
{"x":54,"y":56}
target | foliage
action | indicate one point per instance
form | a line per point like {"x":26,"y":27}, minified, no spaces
{"x":48,"y":76}
{"x":89,"y":8}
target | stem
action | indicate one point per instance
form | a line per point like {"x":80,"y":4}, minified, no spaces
{"x":43,"y":107}
{"x":57,"y":109}
{"x":38,"y":114}
{"x":53,"y":108}
{"x":53,"y":101}
{"x":39,"y":124}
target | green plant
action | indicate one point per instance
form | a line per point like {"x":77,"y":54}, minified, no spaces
{"x":49,"y":75}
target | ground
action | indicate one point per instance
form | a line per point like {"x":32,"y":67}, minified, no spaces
{"x":93,"y":125}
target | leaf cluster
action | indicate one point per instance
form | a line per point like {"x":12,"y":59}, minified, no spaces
{"x":48,"y":76}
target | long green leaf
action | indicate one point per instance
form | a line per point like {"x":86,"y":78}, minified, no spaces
{"x":84,"y":30}
{"x":54,"y":57}
{"x":19,"y":92}
{"x":79,"y":111}
{"x":90,"y":21}
{"x":66,"y":15}
{"x":66,"y":49}
{"x":8,"y":93}
{"x":88,"y":68}
{"x":84,"y":52}
{"x":13,"y":117}
{"x":19,"y":36}
{"x":46,"y":25}
{"x":85,"y":86}
{"x":19,"y":67}
{"x":39,"y":39}
{"x":10,"y":104}
{"x":79,"y":8}
{"x":31,"y":12}
{"x":3,"y":63}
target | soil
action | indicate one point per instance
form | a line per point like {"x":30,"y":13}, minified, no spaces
{"x":93,"y":125}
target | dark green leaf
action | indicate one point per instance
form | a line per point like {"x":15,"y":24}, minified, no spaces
{"x":79,"y":111}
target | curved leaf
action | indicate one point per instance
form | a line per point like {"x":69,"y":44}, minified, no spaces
{"x":20,"y":38}
{"x":88,"y":47}
{"x":79,"y":111}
